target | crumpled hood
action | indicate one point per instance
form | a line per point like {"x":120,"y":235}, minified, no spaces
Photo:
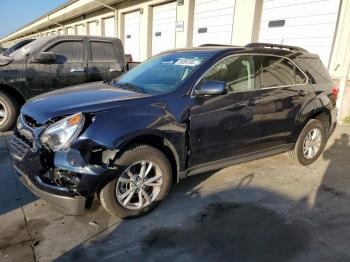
{"x":86,"y":98}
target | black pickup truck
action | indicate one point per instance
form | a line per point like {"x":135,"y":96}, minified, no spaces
{"x":55,"y":62}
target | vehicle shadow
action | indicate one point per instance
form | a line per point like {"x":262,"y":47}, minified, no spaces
{"x":241,"y":223}
{"x":338,"y":169}
{"x":193,"y":227}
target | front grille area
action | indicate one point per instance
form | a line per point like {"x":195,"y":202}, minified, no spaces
{"x":18,"y":147}
{"x":25,"y":135}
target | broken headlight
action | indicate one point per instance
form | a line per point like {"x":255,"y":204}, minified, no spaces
{"x":59,"y":135}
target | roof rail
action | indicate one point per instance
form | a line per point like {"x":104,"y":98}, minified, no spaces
{"x":205,"y":45}
{"x":277,"y":46}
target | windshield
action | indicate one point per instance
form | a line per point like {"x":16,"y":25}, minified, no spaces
{"x":17,"y":46}
{"x":28,"y":49}
{"x":162,"y":74}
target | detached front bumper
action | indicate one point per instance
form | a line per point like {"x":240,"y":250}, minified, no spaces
{"x":67,"y":205}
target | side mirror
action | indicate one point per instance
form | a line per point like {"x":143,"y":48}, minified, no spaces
{"x":44,"y":58}
{"x":211,"y":88}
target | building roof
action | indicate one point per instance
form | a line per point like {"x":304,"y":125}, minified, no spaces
{"x":54,"y":18}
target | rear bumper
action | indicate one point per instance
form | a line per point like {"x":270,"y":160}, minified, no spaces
{"x":67,"y":205}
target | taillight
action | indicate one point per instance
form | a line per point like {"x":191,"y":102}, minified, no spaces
{"x":335,"y":91}
{"x":128,"y":58}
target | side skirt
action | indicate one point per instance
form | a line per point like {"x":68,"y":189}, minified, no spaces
{"x":222,"y":163}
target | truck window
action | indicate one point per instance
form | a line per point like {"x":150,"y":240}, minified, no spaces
{"x":102,"y":52}
{"x":68,"y":51}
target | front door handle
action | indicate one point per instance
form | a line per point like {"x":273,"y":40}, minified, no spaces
{"x":302,"y":93}
{"x":253,"y":102}
{"x":77,"y":70}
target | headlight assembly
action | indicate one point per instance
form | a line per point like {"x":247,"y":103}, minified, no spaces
{"x":59,"y":135}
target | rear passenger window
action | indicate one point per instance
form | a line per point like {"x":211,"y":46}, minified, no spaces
{"x":102,"y":52}
{"x":237,"y":71}
{"x":279,"y":71}
{"x":69,"y":51}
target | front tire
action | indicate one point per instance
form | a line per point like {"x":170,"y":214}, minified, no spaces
{"x":141,"y":184}
{"x":310,"y":144}
{"x":8,"y":111}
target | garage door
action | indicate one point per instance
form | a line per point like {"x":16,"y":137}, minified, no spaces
{"x":132,"y":35}
{"x":213,"y":22}
{"x":164,"y":23}
{"x":109,"y":26}
{"x":70,"y":31}
{"x":80,"y":29}
{"x":92,"y":28}
{"x":307,"y":23}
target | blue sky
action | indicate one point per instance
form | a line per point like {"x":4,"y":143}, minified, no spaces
{"x":17,"y":13}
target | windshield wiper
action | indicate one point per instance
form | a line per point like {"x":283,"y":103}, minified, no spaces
{"x":128,"y":86}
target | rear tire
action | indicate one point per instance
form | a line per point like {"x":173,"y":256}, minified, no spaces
{"x":310,"y":144}
{"x":129,"y":179}
{"x":9,"y":109}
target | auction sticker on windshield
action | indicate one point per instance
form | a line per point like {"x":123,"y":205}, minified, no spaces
{"x":187,"y":62}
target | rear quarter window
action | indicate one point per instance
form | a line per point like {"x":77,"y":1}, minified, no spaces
{"x":279,"y":71}
{"x":314,"y":69}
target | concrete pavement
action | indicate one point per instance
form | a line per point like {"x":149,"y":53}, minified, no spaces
{"x":264,"y":210}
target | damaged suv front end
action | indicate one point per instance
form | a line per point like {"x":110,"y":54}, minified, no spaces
{"x":54,"y":165}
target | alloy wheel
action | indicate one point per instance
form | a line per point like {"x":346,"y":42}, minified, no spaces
{"x":3,"y":113}
{"x":139,"y":185}
{"x":312,"y":143}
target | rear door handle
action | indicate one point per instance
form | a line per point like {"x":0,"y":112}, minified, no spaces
{"x":112,"y":70}
{"x":77,"y":70}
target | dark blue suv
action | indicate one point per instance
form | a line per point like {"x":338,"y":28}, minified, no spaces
{"x":180,"y":113}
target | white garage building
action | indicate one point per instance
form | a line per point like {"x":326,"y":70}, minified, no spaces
{"x":147,"y":27}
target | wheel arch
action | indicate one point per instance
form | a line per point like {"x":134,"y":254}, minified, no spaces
{"x":159,"y":142}
{"x":322,"y":111}
{"x":318,"y":108}
{"x":14,"y":93}
{"x":323,"y":115}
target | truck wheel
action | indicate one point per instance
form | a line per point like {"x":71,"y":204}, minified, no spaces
{"x":310,"y":143}
{"x":8,"y":111}
{"x":143,"y":181}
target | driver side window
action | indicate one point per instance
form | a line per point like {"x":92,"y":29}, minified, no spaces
{"x":68,"y":51}
{"x":237,"y":71}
